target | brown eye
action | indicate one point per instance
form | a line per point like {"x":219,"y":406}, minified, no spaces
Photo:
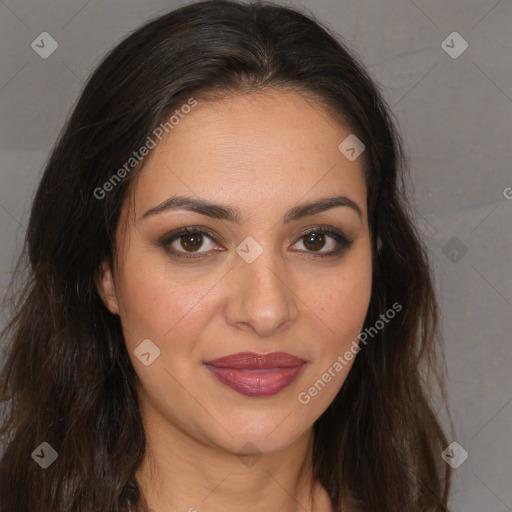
{"x":191,"y":241}
{"x":314,"y":241}
{"x":188,"y":240}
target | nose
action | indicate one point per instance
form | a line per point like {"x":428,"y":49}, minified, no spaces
{"x":261,"y":298}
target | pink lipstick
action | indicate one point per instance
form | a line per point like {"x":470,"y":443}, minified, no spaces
{"x":253,"y":374}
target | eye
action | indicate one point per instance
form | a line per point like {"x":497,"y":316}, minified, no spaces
{"x":188,"y":240}
{"x":316,"y":239}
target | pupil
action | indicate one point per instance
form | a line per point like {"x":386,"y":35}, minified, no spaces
{"x":316,"y":240}
{"x":195,"y":240}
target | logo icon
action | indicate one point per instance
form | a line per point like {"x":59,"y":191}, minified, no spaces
{"x":454,"y":455}
{"x":351,"y":147}
{"x":454,"y":249}
{"x":147,"y":352}
{"x":251,"y":459}
{"x":454,"y":45}
{"x":249,"y":249}
{"x":44,"y":45}
{"x":44,"y":455}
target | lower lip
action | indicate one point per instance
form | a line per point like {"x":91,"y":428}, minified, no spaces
{"x":261,"y":382}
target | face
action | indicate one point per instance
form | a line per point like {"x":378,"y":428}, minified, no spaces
{"x":273,"y":278}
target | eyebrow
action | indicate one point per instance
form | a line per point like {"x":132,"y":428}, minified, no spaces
{"x":219,"y":211}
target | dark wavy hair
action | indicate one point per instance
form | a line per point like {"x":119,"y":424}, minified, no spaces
{"x":67,"y":377}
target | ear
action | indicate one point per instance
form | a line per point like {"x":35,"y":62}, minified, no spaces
{"x":106,"y":287}
{"x":379,"y":244}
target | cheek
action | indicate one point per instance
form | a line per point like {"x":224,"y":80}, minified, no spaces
{"x":344,"y":309}
{"x":342,"y":306}
{"x":155,"y":305}
{"x":338,"y":313}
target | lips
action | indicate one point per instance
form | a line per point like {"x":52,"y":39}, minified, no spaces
{"x":254,"y":374}
{"x":254,"y":361}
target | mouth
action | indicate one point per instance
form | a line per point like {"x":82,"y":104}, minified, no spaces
{"x":256,"y":375}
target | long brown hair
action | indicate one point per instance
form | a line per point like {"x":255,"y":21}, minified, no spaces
{"x":67,"y":378}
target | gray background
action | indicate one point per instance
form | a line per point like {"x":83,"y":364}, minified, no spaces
{"x":454,"y":114}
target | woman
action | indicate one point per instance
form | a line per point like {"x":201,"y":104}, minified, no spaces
{"x":225,"y":304}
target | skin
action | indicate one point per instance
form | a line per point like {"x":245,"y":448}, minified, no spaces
{"x":263,"y":154}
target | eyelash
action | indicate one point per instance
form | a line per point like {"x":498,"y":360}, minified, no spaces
{"x":343,"y":242}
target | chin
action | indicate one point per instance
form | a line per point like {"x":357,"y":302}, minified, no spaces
{"x":261,"y":436}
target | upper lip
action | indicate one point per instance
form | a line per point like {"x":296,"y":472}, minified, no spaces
{"x":255,"y":361}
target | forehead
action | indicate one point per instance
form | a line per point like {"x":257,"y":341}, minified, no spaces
{"x":260,"y":150}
